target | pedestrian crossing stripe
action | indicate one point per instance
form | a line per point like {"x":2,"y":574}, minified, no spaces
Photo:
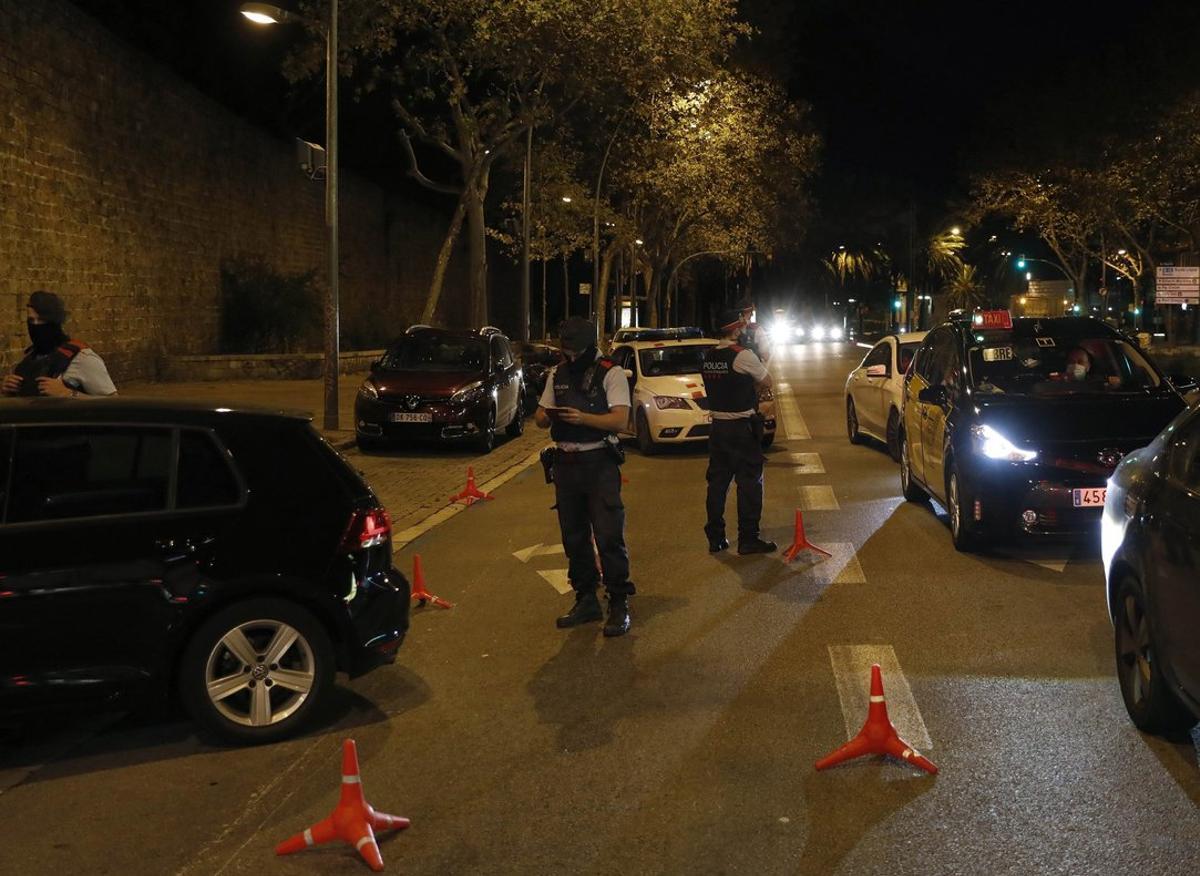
{"x":817,"y":497}
{"x":852,"y":673}
{"x":807,"y":463}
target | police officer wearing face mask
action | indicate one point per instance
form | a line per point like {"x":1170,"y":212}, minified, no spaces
{"x":55,"y":365}
{"x":732,"y":375}
{"x":585,"y":403}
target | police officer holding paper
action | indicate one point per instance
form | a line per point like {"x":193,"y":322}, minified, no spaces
{"x":585,"y":403}
{"x":732,"y":375}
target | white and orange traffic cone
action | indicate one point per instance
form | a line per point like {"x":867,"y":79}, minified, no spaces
{"x":877,"y":735}
{"x":471,"y":493}
{"x":352,"y":820}
{"x":801,"y":543}
{"x":419,"y":592}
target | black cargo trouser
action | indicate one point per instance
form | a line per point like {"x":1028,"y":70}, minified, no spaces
{"x":735,"y":452}
{"x":587,"y":486}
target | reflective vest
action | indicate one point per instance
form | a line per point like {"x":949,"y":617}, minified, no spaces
{"x":727,"y":390}
{"x":51,"y":364}
{"x":587,"y":395}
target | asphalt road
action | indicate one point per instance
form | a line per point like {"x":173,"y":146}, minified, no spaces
{"x":688,"y":745}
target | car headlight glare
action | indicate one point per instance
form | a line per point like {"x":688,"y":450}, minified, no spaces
{"x":663,"y":402}
{"x":368,"y":390}
{"x":818,"y":333}
{"x":993,"y":445}
{"x":835,"y":334}
{"x":468,"y":393}
{"x":799,"y":331}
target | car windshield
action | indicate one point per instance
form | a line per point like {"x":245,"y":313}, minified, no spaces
{"x":437,"y":353}
{"x":662,"y":361}
{"x":1003,"y":362}
{"x":904,"y":356}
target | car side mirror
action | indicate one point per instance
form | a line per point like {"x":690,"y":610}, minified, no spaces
{"x":933,"y":395}
{"x":877,"y":371}
{"x":1183,"y":383}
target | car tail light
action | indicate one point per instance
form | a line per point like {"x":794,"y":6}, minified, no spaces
{"x":369,"y":527}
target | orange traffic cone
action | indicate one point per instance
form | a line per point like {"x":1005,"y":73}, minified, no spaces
{"x":877,"y":735}
{"x":801,"y":542}
{"x":471,"y":494}
{"x":353,"y":820}
{"x":419,"y":592}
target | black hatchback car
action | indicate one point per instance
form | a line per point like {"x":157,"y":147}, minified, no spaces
{"x":1150,"y":542}
{"x":229,"y":558}
{"x":1014,"y":425}
{"x":443,"y":385}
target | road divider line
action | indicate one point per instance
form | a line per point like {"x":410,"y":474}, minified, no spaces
{"x":437,"y":518}
{"x":852,"y":674}
{"x":817,"y":497}
{"x":841,"y":567}
{"x":807,"y":463}
{"x":793,"y":423}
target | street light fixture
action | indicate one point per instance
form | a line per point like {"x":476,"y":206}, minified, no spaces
{"x":638,"y":241}
{"x":566,"y":199}
{"x":956,"y":231}
{"x":265,"y":14}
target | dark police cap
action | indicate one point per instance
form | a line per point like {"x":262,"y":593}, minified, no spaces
{"x":729,"y":317}
{"x":577,"y":334}
{"x":48,"y":306}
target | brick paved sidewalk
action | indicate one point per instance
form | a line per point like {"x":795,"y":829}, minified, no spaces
{"x":413,"y":482}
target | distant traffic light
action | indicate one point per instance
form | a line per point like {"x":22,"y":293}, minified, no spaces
{"x":1021,"y":263}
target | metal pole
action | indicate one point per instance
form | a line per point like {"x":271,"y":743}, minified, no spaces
{"x":596,"y":218}
{"x":331,"y":219}
{"x":525,"y":235}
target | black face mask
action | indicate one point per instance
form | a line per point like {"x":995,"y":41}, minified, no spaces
{"x":582,"y":362}
{"x":45,"y":336}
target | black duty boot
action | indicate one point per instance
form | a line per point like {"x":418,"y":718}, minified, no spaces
{"x":716,"y":545}
{"x":585,"y":610}
{"x":756,"y":546}
{"x":618,"y":616}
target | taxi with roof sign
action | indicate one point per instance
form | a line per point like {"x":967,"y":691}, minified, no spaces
{"x":1015,"y":425}
{"x":669,"y":402}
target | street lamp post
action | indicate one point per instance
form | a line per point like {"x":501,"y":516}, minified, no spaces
{"x":596,"y":219}
{"x":264,"y":13}
{"x":525,"y":236}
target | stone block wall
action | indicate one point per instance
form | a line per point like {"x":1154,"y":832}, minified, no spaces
{"x":123,"y":188}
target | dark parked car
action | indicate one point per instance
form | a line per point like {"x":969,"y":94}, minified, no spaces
{"x":437,"y":384}
{"x":1014,"y":425}
{"x":231,"y":559}
{"x":1151,"y":547}
{"x":537,"y":360}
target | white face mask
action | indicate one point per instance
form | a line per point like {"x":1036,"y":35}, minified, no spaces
{"x":1077,"y":371}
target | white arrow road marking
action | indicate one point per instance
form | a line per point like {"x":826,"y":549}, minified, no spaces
{"x":817,"y":497}
{"x":807,"y":463}
{"x":852,"y":672}
{"x":537,"y":550}
{"x":841,"y":568}
{"x":557,"y":578}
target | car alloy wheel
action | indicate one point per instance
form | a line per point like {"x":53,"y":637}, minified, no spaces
{"x":487,"y":437}
{"x":255,"y":670}
{"x":852,"y":422}
{"x":893,"y":435}
{"x":964,"y":539}
{"x":517,"y":426}
{"x":1148,"y":700}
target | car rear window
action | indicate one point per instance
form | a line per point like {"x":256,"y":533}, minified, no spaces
{"x":205,"y":477}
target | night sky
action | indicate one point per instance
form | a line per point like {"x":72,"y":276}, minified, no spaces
{"x":911,"y":96}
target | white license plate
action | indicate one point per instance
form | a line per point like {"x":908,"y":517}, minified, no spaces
{"x":412,"y":418}
{"x":1091,"y":497}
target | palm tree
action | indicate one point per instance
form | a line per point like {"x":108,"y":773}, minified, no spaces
{"x":964,"y":290}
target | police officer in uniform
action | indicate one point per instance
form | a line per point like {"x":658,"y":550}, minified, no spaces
{"x":752,"y":336}
{"x":585,"y":403}
{"x":55,"y":364}
{"x":732,"y":375}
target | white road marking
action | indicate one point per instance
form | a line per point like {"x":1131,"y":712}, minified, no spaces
{"x":817,"y":497}
{"x":437,"y":518}
{"x":793,"y":424}
{"x":852,"y":672}
{"x":807,"y":463}
{"x":557,"y":578}
{"x":1052,"y":565}
{"x":841,"y":568}
{"x":537,"y":550}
